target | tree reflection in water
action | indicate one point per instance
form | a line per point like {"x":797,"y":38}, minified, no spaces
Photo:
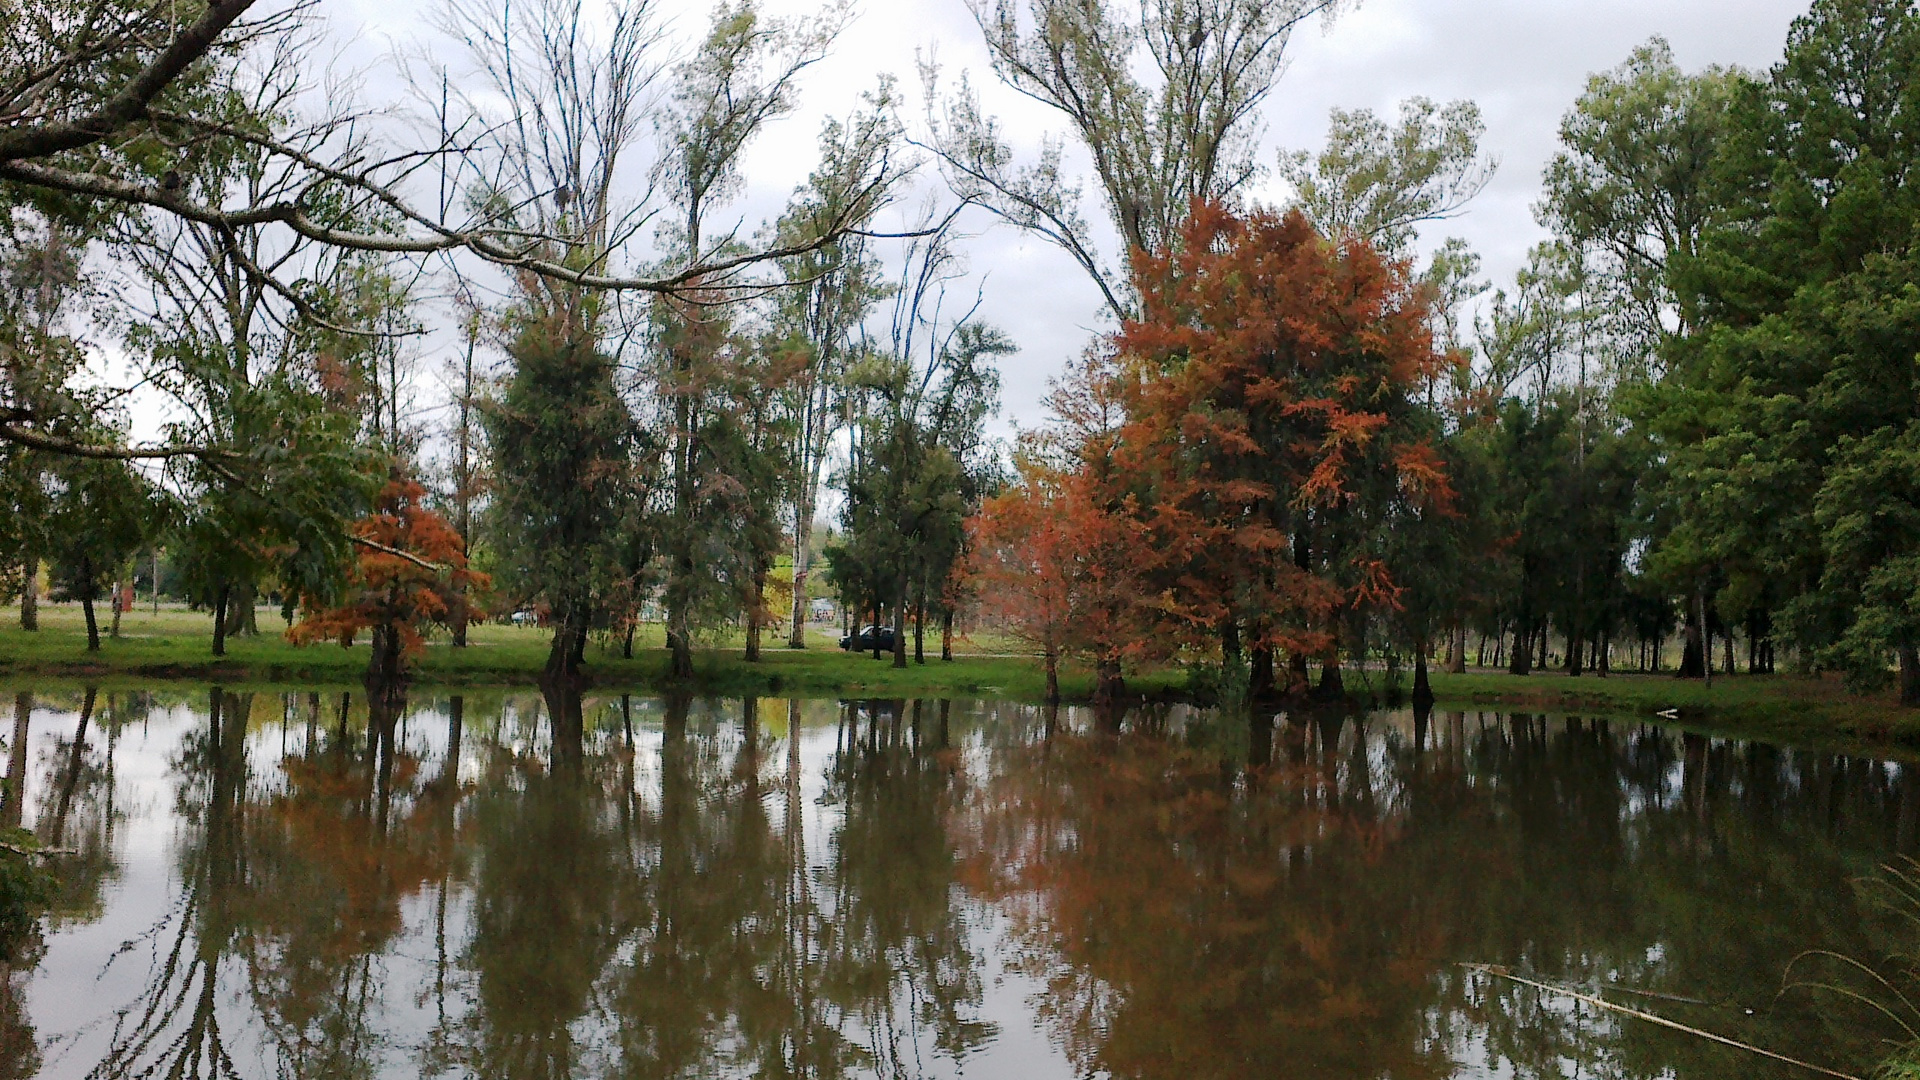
{"x":531,"y":886}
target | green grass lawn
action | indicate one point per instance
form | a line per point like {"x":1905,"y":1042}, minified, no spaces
{"x":175,"y":643}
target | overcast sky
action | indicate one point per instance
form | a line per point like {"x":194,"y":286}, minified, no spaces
{"x":1523,"y":61}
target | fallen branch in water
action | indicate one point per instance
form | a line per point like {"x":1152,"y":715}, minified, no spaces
{"x":43,"y":853}
{"x":1602,"y":1003}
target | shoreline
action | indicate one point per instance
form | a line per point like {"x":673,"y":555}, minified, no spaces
{"x":1789,"y":709}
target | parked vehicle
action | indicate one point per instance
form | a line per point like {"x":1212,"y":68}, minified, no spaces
{"x":869,"y":639}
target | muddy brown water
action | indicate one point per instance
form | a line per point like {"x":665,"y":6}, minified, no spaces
{"x":262,"y":885}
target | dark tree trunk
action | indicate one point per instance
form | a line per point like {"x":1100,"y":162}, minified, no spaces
{"x":1457,"y":656}
{"x":1698,"y":647}
{"x":1422,"y":689}
{"x":1260,"y":676}
{"x":1053,"y":675}
{"x":876,"y":629}
{"x":1108,"y":684}
{"x":220,"y":620}
{"x":93,"y":625}
{"x":946,"y":636}
{"x":756,"y":613}
{"x":30,"y":592}
{"x":565,"y":652}
{"x":900,"y":626}
{"x":920,"y":632}
{"x":1230,"y":642}
{"x":460,"y":615}
{"x":1909,"y":675}
{"x":1522,"y":655}
{"x":1299,"y":675}
{"x":626,"y":640}
{"x":1575,"y":650}
{"x":386,"y":674}
{"x":1332,"y":684}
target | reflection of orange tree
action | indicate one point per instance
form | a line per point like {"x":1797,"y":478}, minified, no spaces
{"x":330,"y":877}
{"x":1191,"y":927}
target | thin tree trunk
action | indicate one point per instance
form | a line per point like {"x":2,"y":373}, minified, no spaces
{"x":220,"y":620}
{"x":1109,"y":685}
{"x":30,"y":593}
{"x":1522,"y":656}
{"x":946,"y":636}
{"x":1457,"y":653}
{"x":93,"y":627}
{"x":1053,"y":674}
{"x":113,"y":629}
{"x":1422,"y":688}
{"x":900,"y":624}
{"x":920,"y":632}
{"x":1909,"y":675}
{"x":756,"y":612}
{"x":14,"y":797}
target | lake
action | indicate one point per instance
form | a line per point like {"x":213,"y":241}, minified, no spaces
{"x":262,"y":885}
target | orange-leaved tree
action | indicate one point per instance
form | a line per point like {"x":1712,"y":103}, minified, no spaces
{"x":410,"y":568}
{"x":1274,"y":429}
{"x":1059,"y":566}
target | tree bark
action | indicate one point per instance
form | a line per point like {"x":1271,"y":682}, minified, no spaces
{"x":756,"y":612}
{"x":900,"y":624}
{"x":1422,"y":688}
{"x":1332,"y":684}
{"x":1909,"y":675}
{"x":1520,"y":660}
{"x":14,"y":796}
{"x":1260,"y":676}
{"x":30,"y":593}
{"x":1457,"y":651}
{"x":920,"y":632}
{"x":93,"y":627}
{"x":565,"y":652}
{"x":1108,"y":684}
{"x":1053,"y":675}
{"x":113,"y":628}
{"x":220,"y":620}
{"x":946,"y":636}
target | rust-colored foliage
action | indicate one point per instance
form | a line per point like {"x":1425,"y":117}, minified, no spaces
{"x":1058,"y":564}
{"x":394,"y":597}
{"x":1269,"y":387}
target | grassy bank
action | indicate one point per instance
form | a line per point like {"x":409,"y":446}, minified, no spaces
{"x":175,"y":644}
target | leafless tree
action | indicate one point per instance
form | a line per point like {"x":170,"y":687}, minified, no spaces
{"x":1190,"y":131}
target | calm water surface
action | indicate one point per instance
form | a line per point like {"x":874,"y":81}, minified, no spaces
{"x":266,"y":887}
